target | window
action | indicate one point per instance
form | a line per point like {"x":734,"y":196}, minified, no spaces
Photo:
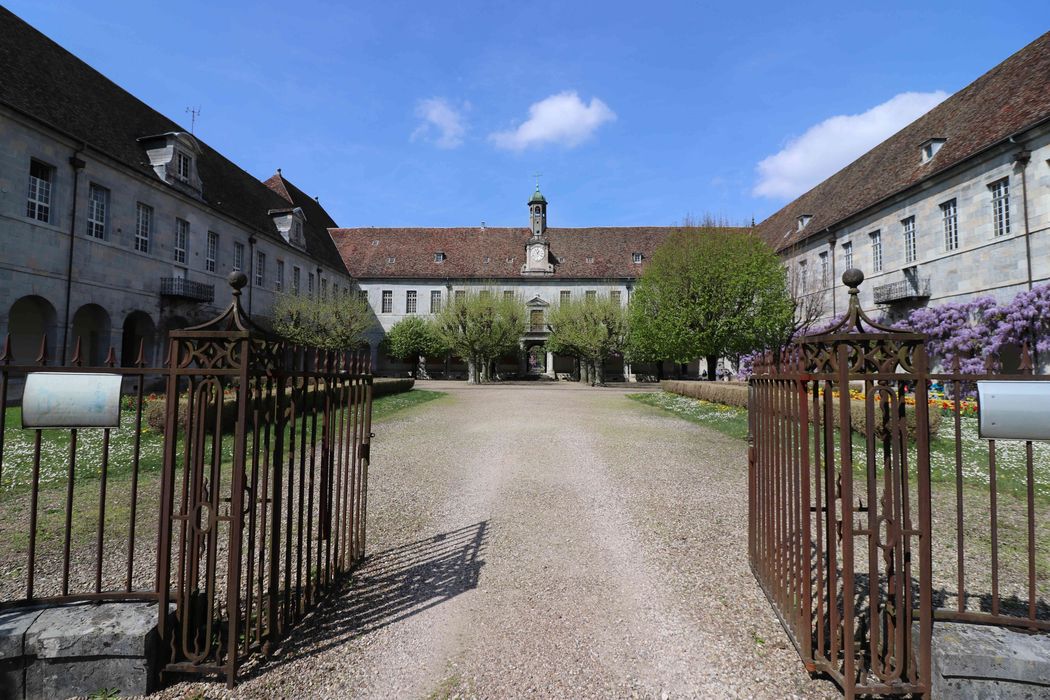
{"x":182,"y":236}
{"x":614,"y":296}
{"x":410,"y":301}
{"x":297,"y":232}
{"x":803,"y":221}
{"x":238,"y":256}
{"x":565,"y":296}
{"x":876,"y":251}
{"x":211,"y":254}
{"x":435,"y":301}
{"x":536,"y":320}
{"x":825,"y":270}
{"x":391,"y":260}
{"x":41,"y":177}
{"x":950,"y":222}
{"x":362,"y":294}
{"x":930,"y":148}
{"x":295,"y":279}
{"x":335,"y":290}
{"x":98,"y":205}
{"x":310,"y":283}
{"x":143,"y":227}
{"x":637,"y":257}
{"x":278,"y":283}
{"x":460,"y":295}
{"x":260,"y":268}
{"x":484,"y":294}
{"x":324,"y":287}
{"x":439,"y":257}
{"x":847,"y":255}
{"x":508,"y":294}
{"x":388,"y":301}
{"x":909,"y":239}
{"x":590,"y":295}
{"x":802,"y":277}
{"x":182,"y":165}
{"x":589,"y":259}
{"x":1001,"y":206}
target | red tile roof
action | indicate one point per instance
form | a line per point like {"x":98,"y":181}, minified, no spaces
{"x":367,"y":252}
{"x":1009,"y":99}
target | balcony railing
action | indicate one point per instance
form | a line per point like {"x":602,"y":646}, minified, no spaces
{"x":186,"y":289}
{"x":904,"y":290}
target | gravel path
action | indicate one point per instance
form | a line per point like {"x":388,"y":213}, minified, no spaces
{"x":544,"y":541}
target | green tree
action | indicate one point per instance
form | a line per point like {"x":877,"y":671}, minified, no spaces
{"x":709,"y":293}
{"x":412,"y":339}
{"x":337,"y":322}
{"x":591,"y":330}
{"x":480,"y":327}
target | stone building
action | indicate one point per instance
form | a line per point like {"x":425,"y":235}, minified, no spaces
{"x":118,"y":224}
{"x":955,"y":205}
{"x":405,"y":271}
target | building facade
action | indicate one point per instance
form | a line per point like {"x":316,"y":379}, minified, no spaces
{"x":954,"y":206}
{"x":117,"y":224}
{"x":415,"y":271}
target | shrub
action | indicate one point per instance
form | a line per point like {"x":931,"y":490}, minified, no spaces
{"x":154,"y":411}
{"x":735,"y":394}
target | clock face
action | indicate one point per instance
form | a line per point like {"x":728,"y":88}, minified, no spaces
{"x":537,"y":253}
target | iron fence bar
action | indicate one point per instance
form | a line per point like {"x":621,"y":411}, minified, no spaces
{"x":994,"y":524}
{"x":922,"y":429}
{"x":70,"y":479}
{"x":135,"y":459}
{"x":848,"y":563}
{"x":233,"y":585}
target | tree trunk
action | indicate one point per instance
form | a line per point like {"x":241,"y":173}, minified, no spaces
{"x":472,"y":371}
{"x":712,"y":367}
{"x":599,"y":373}
{"x":585,"y":371}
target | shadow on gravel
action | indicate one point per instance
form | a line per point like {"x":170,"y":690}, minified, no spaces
{"x":389,"y":586}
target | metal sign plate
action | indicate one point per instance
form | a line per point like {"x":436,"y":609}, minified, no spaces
{"x":1017,"y":410}
{"x":71,"y":400}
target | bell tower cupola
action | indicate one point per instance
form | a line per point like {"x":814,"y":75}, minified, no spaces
{"x":538,"y":213}
{"x":538,"y":260}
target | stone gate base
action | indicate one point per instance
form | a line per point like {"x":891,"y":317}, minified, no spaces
{"x":983,"y":661}
{"x":78,"y":649}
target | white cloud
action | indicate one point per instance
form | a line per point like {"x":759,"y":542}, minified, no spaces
{"x":836,"y":142}
{"x":563,"y":119}
{"x":442,"y":123}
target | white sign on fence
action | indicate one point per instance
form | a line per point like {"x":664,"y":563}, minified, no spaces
{"x":71,"y":400}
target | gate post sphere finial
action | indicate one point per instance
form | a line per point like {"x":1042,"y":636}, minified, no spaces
{"x":852,"y":278}
{"x":237,"y":279}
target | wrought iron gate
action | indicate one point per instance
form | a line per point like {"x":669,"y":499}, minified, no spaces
{"x":264,"y":488}
{"x":839,"y":519}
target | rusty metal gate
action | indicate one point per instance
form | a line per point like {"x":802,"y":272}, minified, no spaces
{"x":264,"y":487}
{"x":839,"y":519}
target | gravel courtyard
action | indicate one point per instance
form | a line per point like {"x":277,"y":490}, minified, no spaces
{"x":544,"y":541}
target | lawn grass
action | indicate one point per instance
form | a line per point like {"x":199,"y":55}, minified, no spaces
{"x":18,"y":453}
{"x":1011,"y":466}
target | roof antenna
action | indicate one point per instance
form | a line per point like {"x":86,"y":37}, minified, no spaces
{"x":194,"y":112}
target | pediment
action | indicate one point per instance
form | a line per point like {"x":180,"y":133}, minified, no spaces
{"x":536,"y":301}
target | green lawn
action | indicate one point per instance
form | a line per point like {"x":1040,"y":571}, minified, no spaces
{"x":19,"y":446}
{"x":1010,"y":454}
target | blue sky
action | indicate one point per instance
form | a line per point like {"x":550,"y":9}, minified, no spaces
{"x":438,"y":114}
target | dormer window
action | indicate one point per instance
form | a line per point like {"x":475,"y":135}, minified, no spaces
{"x":183,"y":163}
{"x":439,"y":257}
{"x":171,"y":156}
{"x":803,"y":221}
{"x":375,"y":242}
{"x":391,"y":260}
{"x":930,"y":148}
{"x":589,"y":259}
{"x":637,"y":258}
{"x":297,"y":233}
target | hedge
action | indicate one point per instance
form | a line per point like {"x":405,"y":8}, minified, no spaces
{"x":735,"y":394}
{"x":154,"y":412}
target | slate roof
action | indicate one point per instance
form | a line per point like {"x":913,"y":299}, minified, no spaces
{"x":1009,"y":99}
{"x":318,"y":240}
{"x":47,"y":83}
{"x":366,"y":252}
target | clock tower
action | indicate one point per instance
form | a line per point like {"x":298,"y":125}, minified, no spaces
{"x":537,"y":249}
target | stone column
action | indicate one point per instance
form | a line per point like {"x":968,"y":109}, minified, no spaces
{"x":628,"y":375}
{"x":550,"y":365}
